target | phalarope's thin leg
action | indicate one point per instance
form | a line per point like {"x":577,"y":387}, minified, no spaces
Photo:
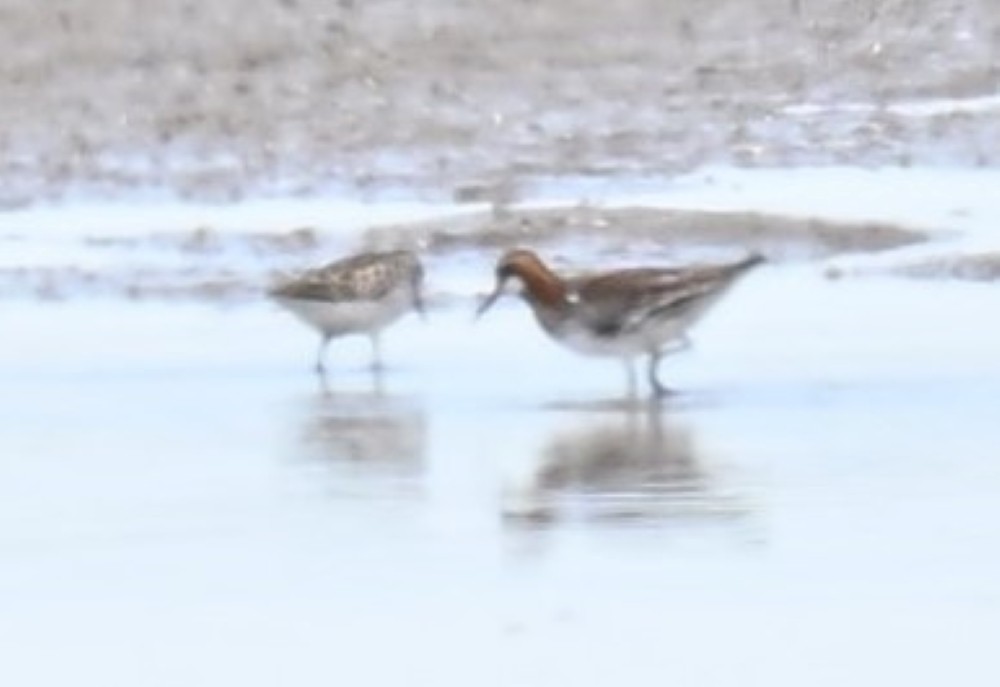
{"x":659,"y":389}
{"x":633,"y":387}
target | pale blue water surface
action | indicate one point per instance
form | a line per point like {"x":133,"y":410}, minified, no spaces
{"x":181,"y":502}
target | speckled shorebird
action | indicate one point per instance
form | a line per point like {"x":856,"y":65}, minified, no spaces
{"x":625,"y":313}
{"x":362,"y":294}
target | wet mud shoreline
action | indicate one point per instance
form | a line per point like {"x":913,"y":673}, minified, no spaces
{"x":231,"y":267}
{"x":479,"y":100}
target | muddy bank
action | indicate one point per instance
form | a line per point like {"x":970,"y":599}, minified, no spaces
{"x":621,"y":231}
{"x":226,"y":266}
{"x":223,"y":99}
{"x":958,"y":264}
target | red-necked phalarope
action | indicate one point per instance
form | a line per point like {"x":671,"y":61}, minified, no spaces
{"x":625,"y":313}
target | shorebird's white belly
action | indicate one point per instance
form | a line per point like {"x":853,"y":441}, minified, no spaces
{"x":652,"y":335}
{"x":347,"y":317}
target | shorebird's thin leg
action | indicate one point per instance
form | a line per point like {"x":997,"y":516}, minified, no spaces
{"x":630,"y":376}
{"x":323,"y":343}
{"x":659,"y":390}
{"x":376,"y":352}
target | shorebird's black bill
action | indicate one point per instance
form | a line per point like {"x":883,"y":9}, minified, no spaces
{"x":488,"y":302}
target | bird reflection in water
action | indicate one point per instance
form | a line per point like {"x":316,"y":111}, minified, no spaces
{"x":641,"y":466}
{"x":370,"y":441}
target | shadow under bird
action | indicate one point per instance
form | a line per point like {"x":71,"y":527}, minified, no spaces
{"x":624,"y":313}
{"x":361,"y":294}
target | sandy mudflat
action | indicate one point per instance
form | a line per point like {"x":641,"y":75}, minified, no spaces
{"x":227,"y":98}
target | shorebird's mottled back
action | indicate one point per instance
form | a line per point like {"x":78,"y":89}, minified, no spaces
{"x":361,"y":294}
{"x":364,"y":277}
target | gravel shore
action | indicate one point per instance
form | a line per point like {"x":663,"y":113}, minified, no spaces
{"x":223,"y":99}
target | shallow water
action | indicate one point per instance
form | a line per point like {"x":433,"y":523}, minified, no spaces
{"x":182,"y":502}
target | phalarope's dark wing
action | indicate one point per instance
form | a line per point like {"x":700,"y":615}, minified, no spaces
{"x":626,"y":299}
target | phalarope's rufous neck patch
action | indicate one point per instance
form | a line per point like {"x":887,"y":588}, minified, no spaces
{"x":362,"y":294}
{"x":625,"y":313}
